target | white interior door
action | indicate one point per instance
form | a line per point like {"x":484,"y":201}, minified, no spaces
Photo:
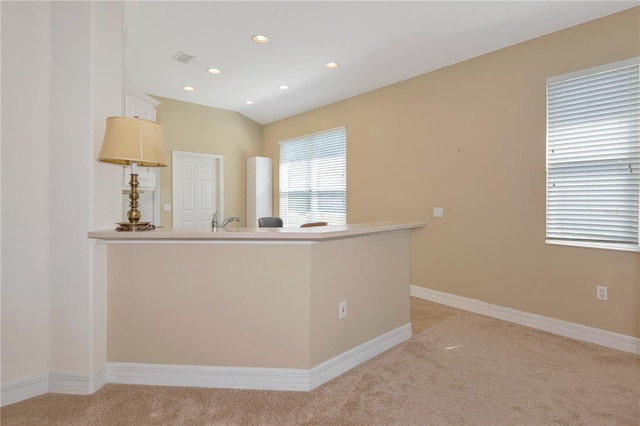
{"x":197,"y":189}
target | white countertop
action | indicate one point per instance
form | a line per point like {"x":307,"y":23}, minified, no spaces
{"x":318,"y":233}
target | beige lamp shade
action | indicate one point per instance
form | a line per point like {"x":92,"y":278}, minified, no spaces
{"x":133,"y":140}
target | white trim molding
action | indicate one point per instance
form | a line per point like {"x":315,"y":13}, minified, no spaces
{"x":563,"y":328}
{"x":288,"y":379}
{"x":53,"y":382}
{"x":21,"y":389}
{"x":206,"y":376}
{"x":335,"y":366}
{"x":77,"y":383}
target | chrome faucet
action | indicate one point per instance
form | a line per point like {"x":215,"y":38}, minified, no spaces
{"x":229,"y":219}
{"x":215,"y":221}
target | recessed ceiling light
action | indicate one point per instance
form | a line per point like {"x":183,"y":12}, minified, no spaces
{"x":260,"y":38}
{"x":332,"y":65}
{"x":189,"y":88}
{"x":283,"y":87}
{"x":248,"y":102}
{"x":214,"y":70}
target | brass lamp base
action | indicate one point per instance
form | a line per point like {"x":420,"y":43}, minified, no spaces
{"x":133,"y":227}
{"x":133,"y":215}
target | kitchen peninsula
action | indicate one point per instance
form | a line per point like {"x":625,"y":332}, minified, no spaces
{"x":254,"y":308}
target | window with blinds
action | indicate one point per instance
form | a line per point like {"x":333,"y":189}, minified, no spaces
{"x":593,"y":155}
{"x":313,"y":178}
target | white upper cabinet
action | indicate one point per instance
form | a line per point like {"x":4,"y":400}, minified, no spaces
{"x":138,"y":104}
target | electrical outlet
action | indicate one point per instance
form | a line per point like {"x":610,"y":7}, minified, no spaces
{"x":602,"y":293}
{"x":342,"y":310}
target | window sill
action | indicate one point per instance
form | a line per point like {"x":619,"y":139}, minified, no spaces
{"x":602,"y":246}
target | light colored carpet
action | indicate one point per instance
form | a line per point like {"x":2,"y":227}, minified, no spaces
{"x":458,"y":369}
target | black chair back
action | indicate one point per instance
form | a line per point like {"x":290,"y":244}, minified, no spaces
{"x":270,"y":222}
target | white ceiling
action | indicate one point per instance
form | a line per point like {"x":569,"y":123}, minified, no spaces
{"x":376,"y":43}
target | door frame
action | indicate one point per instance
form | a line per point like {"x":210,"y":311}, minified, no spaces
{"x":219,"y":179}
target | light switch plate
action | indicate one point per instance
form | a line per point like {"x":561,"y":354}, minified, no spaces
{"x":342,"y":310}
{"x":438,"y":212}
{"x":166,"y":207}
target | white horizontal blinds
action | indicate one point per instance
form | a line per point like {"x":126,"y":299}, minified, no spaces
{"x":313,"y":178}
{"x":593,"y":156}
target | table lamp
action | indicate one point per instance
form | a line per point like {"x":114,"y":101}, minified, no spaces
{"x":133,"y":141}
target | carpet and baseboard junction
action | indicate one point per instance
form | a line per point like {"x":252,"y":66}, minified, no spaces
{"x":459,"y":367}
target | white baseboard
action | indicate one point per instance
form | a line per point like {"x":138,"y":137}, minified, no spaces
{"x":77,"y":383}
{"x":52,"y":382}
{"x":21,"y":389}
{"x":335,"y":366}
{"x":563,"y":328}
{"x":200,"y":376}
{"x":203,"y":376}
{"x":250,"y":377}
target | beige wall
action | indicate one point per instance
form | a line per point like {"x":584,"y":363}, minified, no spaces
{"x":370,"y":273}
{"x":198,"y":128}
{"x":471,"y":138}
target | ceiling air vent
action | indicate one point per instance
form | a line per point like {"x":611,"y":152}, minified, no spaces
{"x":182,"y":57}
